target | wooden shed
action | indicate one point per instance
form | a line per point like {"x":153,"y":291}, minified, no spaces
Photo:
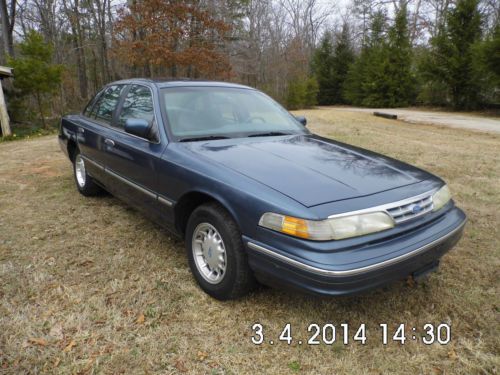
{"x":5,"y":72}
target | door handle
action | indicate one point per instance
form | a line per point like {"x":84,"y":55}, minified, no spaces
{"x":109,"y":142}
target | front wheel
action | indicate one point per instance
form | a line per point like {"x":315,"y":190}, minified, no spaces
{"x":84,"y":183}
{"x":216,"y":254}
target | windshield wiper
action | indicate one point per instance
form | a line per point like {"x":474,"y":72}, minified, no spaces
{"x":205,"y":138}
{"x":268,"y":134}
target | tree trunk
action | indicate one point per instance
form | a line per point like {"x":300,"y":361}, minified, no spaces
{"x":7,"y":26}
{"x":80,"y":53}
{"x":99,"y":17}
{"x":40,"y":109}
{"x":76,"y":41}
{"x":112,"y":66}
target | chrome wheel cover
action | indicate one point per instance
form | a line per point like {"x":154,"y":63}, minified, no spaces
{"x":80,"y":171}
{"x":209,"y":253}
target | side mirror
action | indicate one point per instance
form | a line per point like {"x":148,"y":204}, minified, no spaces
{"x":302,"y":120}
{"x":138,"y":126}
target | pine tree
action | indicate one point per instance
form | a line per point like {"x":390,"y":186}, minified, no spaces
{"x":312,"y":90}
{"x":401,"y":90}
{"x":302,"y":93}
{"x":366,"y":83}
{"x":487,"y":63}
{"x":342,"y":61}
{"x":452,"y":57}
{"x":491,"y":50}
{"x":331,"y":66}
{"x":322,"y":67}
{"x":295,"y":95}
{"x":34,"y":72}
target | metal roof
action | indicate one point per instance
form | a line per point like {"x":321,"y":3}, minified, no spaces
{"x":5,"y":71}
{"x":182,"y":82}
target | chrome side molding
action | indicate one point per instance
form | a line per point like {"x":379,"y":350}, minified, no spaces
{"x":150,"y":193}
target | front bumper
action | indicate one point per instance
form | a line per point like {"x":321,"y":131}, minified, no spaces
{"x":375,"y":263}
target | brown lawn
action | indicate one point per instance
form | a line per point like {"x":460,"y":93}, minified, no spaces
{"x":91,"y":286}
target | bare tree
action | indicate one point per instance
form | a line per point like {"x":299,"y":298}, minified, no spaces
{"x":72,"y":11}
{"x":7,"y":18}
{"x":98,"y":10}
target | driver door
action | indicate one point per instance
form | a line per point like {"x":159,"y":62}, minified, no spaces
{"x":132,"y":160}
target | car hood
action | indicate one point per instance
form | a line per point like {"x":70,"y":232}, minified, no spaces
{"x":310,"y":169}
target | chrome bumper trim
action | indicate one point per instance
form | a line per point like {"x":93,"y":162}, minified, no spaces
{"x":354,"y":271}
{"x":394,"y":205}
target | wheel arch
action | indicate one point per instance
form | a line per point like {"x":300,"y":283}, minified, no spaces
{"x":191,"y":200}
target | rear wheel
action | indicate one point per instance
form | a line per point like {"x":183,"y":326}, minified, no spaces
{"x":84,"y":182}
{"x":216,"y":254}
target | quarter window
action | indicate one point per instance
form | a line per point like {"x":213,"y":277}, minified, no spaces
{"x":138,"y":104}
{"x":105,"y":106}
{"x":88,"y":109}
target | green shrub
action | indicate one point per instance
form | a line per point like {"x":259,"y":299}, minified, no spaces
{"x":35,"y":75}
{"x":302,"y":93}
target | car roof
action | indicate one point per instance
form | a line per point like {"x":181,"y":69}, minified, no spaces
{"x":181,"y":82}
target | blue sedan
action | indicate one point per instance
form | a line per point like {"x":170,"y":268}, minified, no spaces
{"x":254,"y":194}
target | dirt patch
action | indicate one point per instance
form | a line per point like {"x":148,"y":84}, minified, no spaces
{"x":91,"y":286}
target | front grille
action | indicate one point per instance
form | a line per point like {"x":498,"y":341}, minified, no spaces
{"x":412,"y":209}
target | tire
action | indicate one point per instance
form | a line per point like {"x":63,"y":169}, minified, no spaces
{"x":84,"y":183}
{"x":237,"y":279}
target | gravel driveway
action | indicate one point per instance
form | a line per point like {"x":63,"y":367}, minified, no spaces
{"x":454,"y":120}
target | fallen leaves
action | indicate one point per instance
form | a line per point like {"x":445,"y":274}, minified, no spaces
{"x":410,"y":281}
{"x":69,"y":346}
{"x":38,"y":341}
{"x":85,"y":263}
{"x":140,"y":319}
{"x":180,"y":366}
{"x":452,"y":354}
{"x":202,"y":356}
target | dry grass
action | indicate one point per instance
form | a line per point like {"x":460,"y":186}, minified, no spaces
{"x":91,"y":286}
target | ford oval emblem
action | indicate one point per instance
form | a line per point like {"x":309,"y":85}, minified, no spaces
{"x":416,"y":208}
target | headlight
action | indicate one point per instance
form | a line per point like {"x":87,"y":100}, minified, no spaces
{"x":441,"y":197}
{"x":330,"y":229}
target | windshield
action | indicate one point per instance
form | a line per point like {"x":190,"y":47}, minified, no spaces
{"x":222,"y":112}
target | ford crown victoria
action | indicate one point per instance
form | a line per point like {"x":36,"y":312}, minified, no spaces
{"x":254,"y":194}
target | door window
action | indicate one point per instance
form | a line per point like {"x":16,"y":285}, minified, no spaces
{"x":138,"y":104}
{"x":105,"y":106}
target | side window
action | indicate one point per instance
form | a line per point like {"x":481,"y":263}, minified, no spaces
{"x":87,"y":111}
{"x":138,"y":104}
{"x":106,"y":104}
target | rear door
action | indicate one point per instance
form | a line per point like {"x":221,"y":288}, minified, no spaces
{"x":95,"y":118}
{"x":130,"y":160}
